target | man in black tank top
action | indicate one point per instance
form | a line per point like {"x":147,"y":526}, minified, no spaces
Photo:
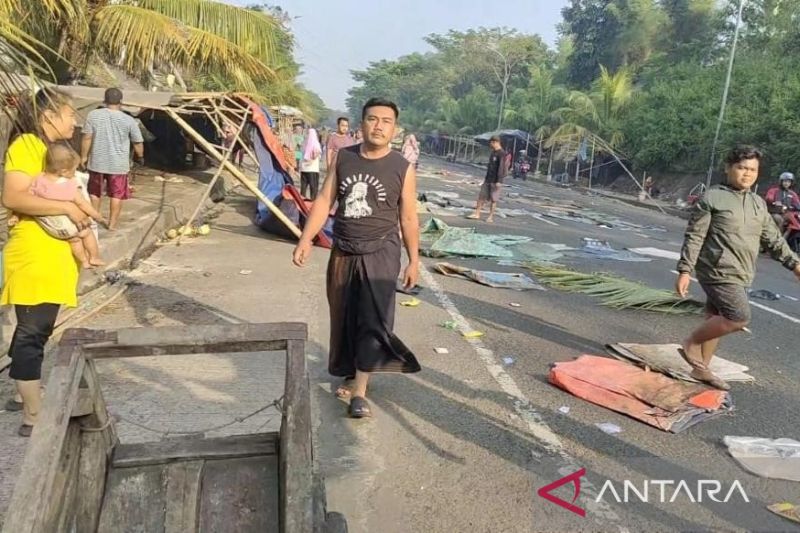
{"x":374,"y":189}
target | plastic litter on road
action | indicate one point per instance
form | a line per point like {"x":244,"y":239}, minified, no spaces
{"x":502,"y":280}
{"x":763,"y":294}
{"x":413,"y":302}
{"x":608,"y":427}
{"x":787,"y":510}
{"x":508,"y":361}
{"x":441,"y":351}
{"x":450,"y":324}
{"x":564,"y":410}
{"x":245,"y":272}
{"x":514,"y":304}
{"x":775,"y":459}
{"x":473,"y":334}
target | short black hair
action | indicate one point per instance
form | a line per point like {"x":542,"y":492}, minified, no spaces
{"x":495,"y":139}
{"x":743,"y":152}
{"x":342,"y":119}
{"x":113,"y":96}
{"x":380,"y":102}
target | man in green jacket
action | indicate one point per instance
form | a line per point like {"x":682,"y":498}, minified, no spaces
{"x":722,"y":243}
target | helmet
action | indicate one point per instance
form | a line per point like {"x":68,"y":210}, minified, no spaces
{"x":787,"y":176}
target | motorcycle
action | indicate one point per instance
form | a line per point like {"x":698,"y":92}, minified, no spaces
{"x":792,"y":231}
{"x":521,"y":169}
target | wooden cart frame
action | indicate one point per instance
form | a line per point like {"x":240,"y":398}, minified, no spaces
{"x":62,"y":480}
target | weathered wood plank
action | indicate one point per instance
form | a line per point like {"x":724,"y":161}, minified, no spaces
{"x":59,"y":509}
{"x":35,"y":484}
{"x":240,"y":496}
{"x":169,"y":450}
{"x":135,"y":501}
{"x":109,"y":350}
{"x":297,"y":509}
{"x":96,"y":449}
{"x":207,"y":334}
{"x":85,"y":403}
{"x":183,"y":496}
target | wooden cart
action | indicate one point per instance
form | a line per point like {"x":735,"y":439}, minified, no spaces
{"x":76,"y":477}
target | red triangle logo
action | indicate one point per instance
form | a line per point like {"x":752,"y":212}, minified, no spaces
{"x":575,"y":479}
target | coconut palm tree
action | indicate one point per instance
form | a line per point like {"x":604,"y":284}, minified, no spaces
{"x":141,"y":36}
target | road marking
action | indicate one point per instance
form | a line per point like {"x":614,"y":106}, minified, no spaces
{"x":790,"y":318}
{"x":538,"y":427}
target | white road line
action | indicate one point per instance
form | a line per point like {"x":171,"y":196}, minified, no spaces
{"x":538,"y":427}
{"x":790,"y":318}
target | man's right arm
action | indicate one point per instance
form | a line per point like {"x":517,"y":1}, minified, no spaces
{"x":322,"y":205}
{"x":696,"y":231}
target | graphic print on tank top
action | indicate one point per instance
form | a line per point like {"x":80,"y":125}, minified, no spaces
{"x":361,"y":194}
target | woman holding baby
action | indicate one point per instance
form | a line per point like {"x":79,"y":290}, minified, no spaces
{"x":39,"y":271}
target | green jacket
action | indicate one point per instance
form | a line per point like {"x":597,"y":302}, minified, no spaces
{"x":724,"y":235}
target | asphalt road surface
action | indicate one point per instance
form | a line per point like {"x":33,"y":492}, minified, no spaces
{"x":466,"y":444}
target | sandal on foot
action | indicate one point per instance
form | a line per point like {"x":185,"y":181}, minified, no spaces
{"x":359,"y":408}
{"x":25,"y":430}
{"x":474,"y":217}
{"x":694,"y":363}
{"x":13,"y":405}
{"x":708,"y":377}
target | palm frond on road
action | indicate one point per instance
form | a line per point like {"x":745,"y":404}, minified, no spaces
{"x":614,"y":292}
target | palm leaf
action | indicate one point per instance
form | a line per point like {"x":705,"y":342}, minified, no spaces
{"x":255,"y":31}
{"x":614,"y":292}
{"x":211,"y":51}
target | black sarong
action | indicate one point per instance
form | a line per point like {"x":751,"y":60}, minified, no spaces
{"x":362,"y":278}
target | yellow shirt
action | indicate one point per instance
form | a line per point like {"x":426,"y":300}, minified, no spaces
{"x":37,"y":268}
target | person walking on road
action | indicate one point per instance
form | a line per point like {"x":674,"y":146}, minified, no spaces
{"x":375,"y":188}
{"x":298,"y":141}
{"x":309,"y":166}
{"x":338,"y":141}
{"x":722,"y":242}
{"x":410,"y":149}
{"x":495,"y":172}
{"x":106,"y":152}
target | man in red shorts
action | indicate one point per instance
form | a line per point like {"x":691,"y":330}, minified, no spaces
{"x":108,"y":135}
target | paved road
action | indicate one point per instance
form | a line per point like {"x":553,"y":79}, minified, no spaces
{"x":465,"y":444}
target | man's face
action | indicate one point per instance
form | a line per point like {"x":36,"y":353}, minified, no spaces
{"x":379,"y":125}
{"x":743,"y":175}
{"x":344,"y":127}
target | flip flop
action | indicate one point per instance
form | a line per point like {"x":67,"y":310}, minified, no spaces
{"x":343,"y":390}
{"x":359,"y":408}
{"x":25,"y":430}
{"x":13,"y":405}
{"x":692,"y":362}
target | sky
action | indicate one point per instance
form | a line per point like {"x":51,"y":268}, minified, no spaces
{"x":335,"y":37}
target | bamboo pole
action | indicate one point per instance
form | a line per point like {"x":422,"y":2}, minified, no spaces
{"x":238,"y":174}
{"x":217,"y":174}
{"x":591,"y":165}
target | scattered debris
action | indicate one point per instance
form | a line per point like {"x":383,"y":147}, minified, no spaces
{"x":171,"y":179}
{"x":650,"y":397}
{"x":787,"y":510}
{"x":113,"y":276}
{"x":502,"y":280}
{"x":515,"y":304}
{"x":450,"y":324}
{"x":609,"y":428}
{"x":539,"y":251}
{"x":792,"y":298}
{"x":508,"y":361}
{"x":763,"y":294}
{"x":775,"y":459}
{"x":666,"y":359}
{"x":411,"y":291}
{"x":441,"y":351}
{"x":473,"y":334}
{"x":604,"y":250}
{"x":440,"y":240}
{"x":245,"y":272}
{"x":657,"y":252}
{"x":564,"y":410}
{"x":615,"y":292}
{"x":413,"y":302}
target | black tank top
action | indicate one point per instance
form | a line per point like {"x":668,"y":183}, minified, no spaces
{"x":368,"y":192}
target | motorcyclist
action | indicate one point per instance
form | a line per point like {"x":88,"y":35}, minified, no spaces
{"x":781,"y":198}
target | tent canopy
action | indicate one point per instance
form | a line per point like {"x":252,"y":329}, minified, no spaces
{"x":507,"y":136}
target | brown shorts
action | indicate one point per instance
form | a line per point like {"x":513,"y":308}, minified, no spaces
{"x":728,"y":301}
{"x":490,"y":192}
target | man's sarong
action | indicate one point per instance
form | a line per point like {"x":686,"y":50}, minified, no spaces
{"x":362,"y":278}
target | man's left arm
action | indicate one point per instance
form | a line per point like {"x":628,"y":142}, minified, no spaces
{"x":137,"y":139}
{"x":86,"y":140}
{"x":409,"y":224}
{"x":777,"y":246}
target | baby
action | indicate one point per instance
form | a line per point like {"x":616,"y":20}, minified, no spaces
{"x":58,"y":182}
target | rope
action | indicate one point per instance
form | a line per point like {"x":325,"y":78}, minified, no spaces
{"x":101,"y":428}
{"x":277,"y":404}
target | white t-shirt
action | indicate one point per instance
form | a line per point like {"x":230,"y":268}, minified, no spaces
{"x":309,"y":165}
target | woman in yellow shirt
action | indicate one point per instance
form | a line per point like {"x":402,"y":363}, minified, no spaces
{"x":39,"y":272}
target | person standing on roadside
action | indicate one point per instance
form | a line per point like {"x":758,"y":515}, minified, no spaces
{"x":309,"y":166}
{"x":39,"y":273}
{"x":495,"y":172}
{"x":375,"y":189}
{"x":338,"y":140}
{"x":410,"y":149}
{"x":106,"y":152}
{"x":726,"y":229}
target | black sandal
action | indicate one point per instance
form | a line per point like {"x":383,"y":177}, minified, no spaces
{"x":25,"y":430}
{"x":359,"y":408}
{"x":13,"y":405}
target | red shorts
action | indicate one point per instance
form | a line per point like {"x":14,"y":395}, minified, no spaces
{"x":116,"y":185}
